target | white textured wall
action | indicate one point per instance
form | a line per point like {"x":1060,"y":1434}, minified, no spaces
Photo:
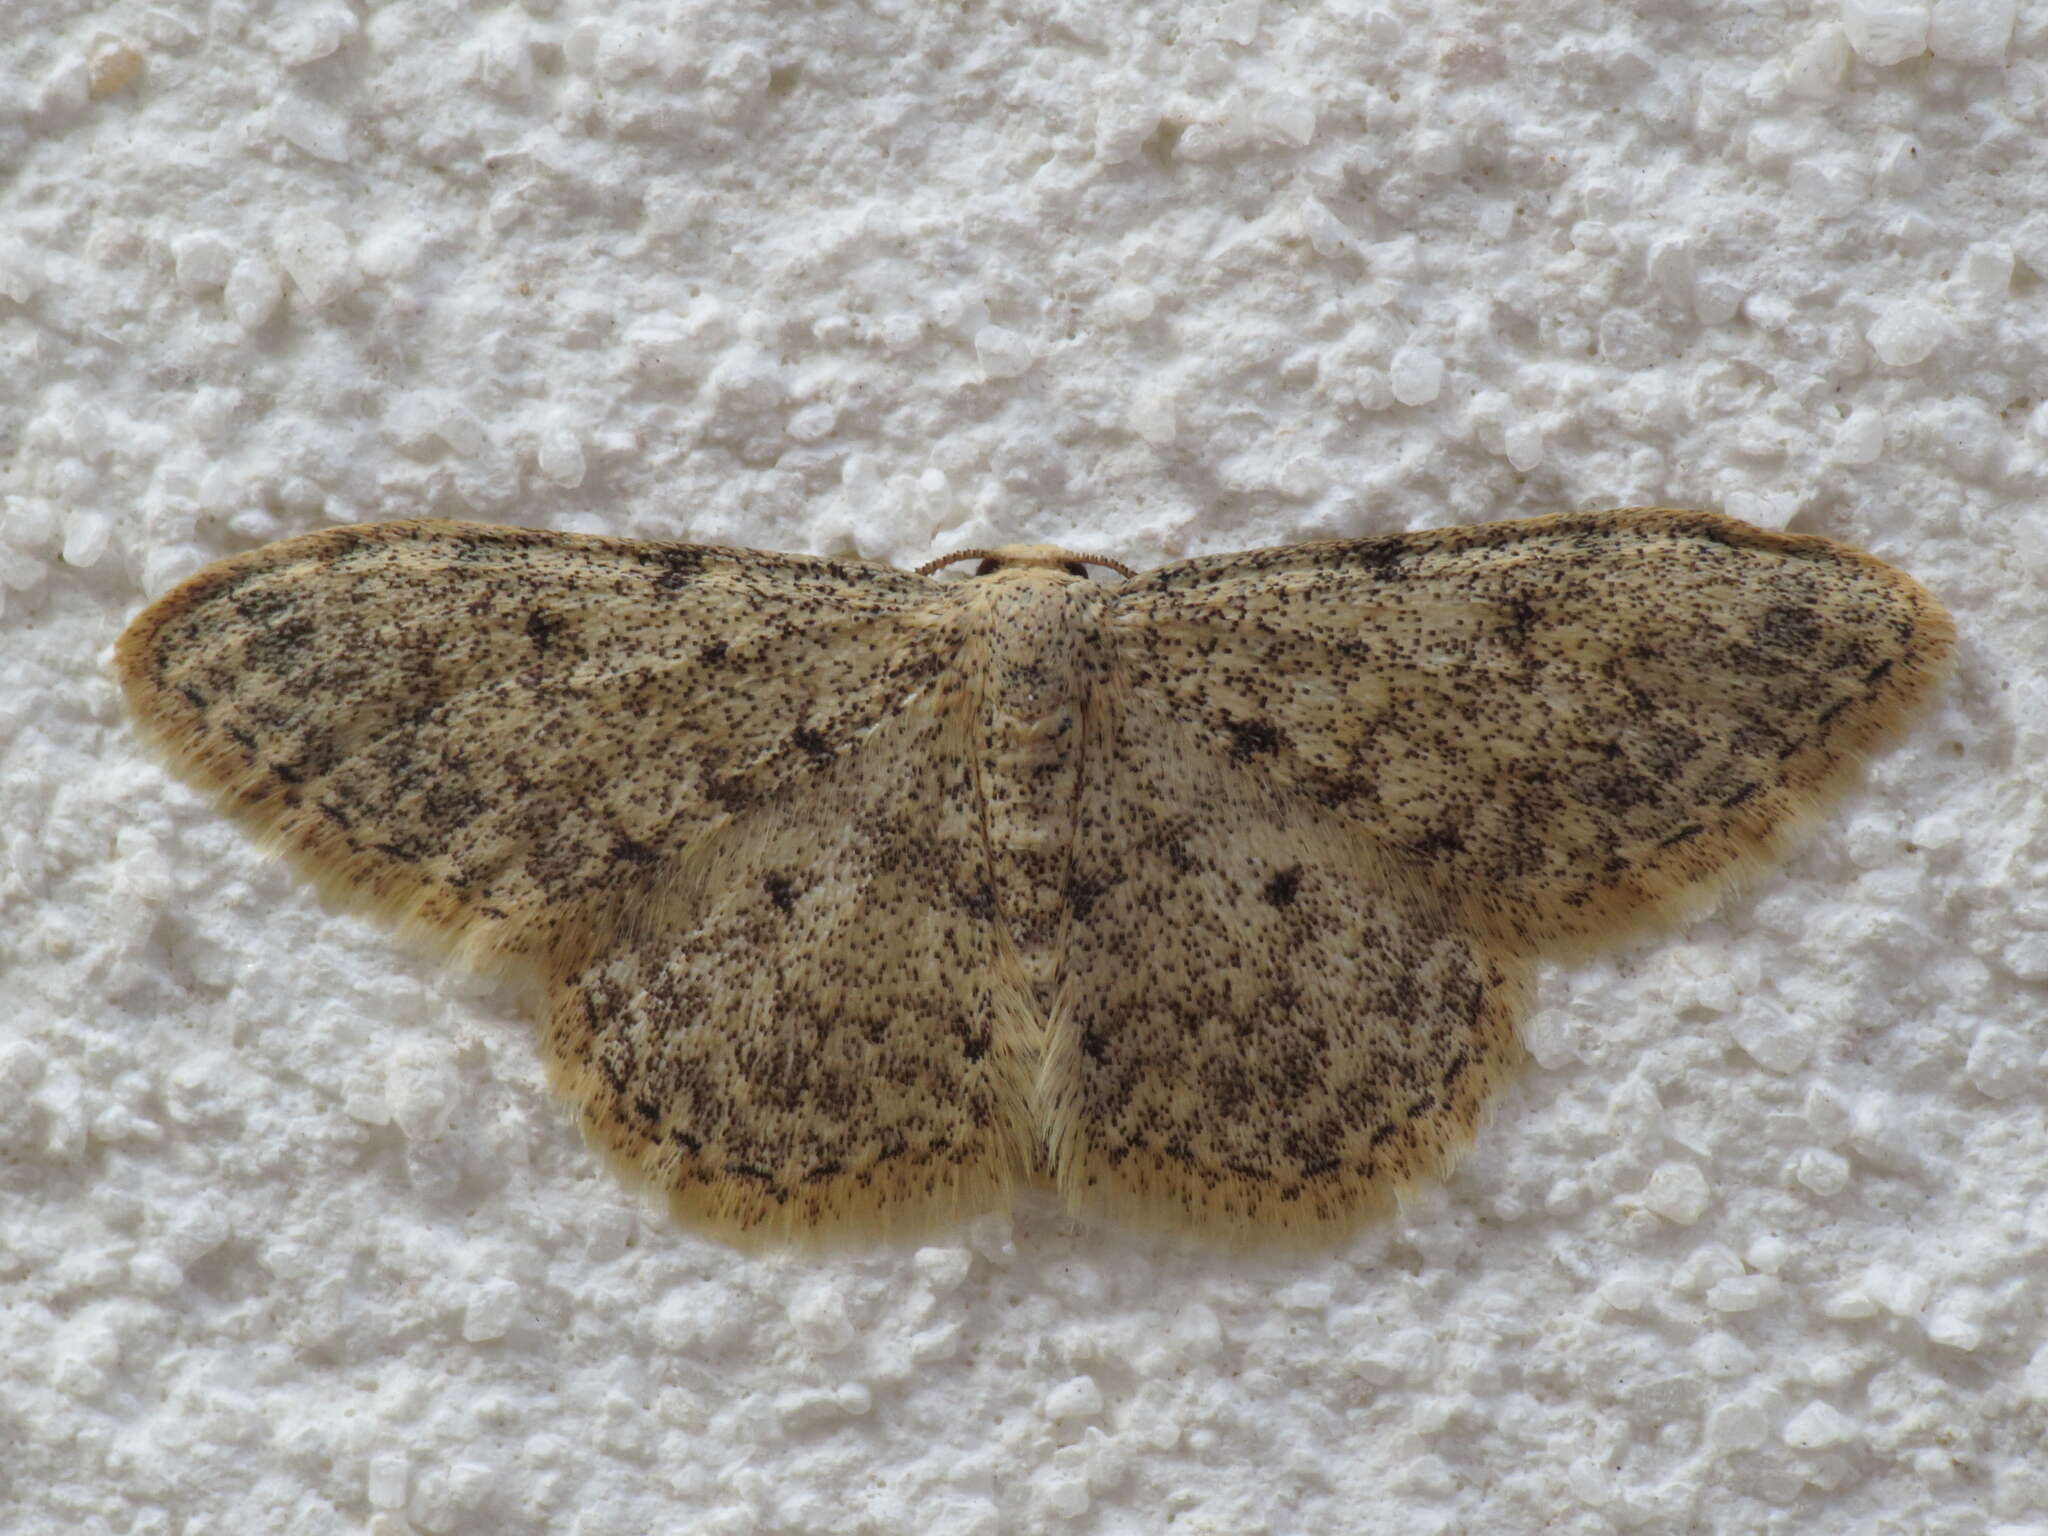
{"x":290,"y":1238}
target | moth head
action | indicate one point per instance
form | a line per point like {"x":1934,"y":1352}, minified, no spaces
{"x":1010,"y":557}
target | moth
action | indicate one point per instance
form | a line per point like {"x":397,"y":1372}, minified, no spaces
{"x":858,"y":896}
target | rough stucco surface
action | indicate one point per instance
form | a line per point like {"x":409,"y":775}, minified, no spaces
{"x":290,"y":1238}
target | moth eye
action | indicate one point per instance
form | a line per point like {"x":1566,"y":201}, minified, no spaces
{"x":988,"y":567}
{"x":1075,"y":568}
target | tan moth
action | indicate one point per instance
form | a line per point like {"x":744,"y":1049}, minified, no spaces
{"x":860,"y":896}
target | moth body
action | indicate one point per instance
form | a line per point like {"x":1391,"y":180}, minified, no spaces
{"x":1029,"y":656}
